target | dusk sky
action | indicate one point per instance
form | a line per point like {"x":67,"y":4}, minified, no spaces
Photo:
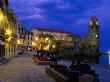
{"x":69,"y":15}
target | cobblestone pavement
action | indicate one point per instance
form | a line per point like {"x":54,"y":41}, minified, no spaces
{"x":22,"y":69}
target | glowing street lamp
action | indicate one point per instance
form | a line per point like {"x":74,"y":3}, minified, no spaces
{"x":8,"y":32}
{"x":36,"y":38}
{"x":33,"y":44}
{"x":18,"y":41}
{"x":47,"y":38}
{"x":54,"y":46}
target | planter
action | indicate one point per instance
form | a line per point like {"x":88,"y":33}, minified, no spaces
{"x":43,"y":62}
{"x":58,"y":77}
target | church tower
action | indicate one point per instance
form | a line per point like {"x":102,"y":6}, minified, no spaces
{"x":94,"y":36}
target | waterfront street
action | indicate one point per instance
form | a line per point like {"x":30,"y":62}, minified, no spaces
{"x":54,"y":41}
{"x":23,"y":69}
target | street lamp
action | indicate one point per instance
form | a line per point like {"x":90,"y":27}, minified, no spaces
{"x":33,"y":44}
{"x":47,"y":38}
{"x":36,"y":38}
{"x":54,"y":46}
{"x":8,"y":32}
{"x":18,"y":41}
{"x":108,"y":52}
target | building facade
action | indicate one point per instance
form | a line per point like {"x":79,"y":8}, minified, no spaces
{"x":24,"y":39}
{"x":87,"y":44}
{"x":8,"y":29}
{"x":90,"y":42}
{"x":62,"y":37}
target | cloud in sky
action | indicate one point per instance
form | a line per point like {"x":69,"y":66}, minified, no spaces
{"x":70,"y":15}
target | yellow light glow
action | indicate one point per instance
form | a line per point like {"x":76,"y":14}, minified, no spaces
{"x":18,"y":41}
{"x":1,"y":17}
{"x":8,"y":32}
{"x":46,"y":47}
{"x":63,"y":39}
{"x":36,"y":38}
{"x":90,"y":22}
{"x":47,"y":38}
{"x":97,"y":23}
{"x":49,"y":41}
{"x":33,"y":44}
{"x":9,"y":39}
{"x":53,"y":46}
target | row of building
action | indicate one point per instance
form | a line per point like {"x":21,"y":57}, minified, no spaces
{"x":49,"y":38}
{"x":14,"y":38}
{"x":8,"y":28}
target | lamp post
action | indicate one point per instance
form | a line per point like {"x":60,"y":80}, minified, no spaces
{"x":109,"y":56}
{"x":108,"y":52}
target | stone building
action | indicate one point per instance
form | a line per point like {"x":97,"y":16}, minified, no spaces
{"x":24,"y":39}
{"x":90,"y":42}
{"x":64,"y":38}
{"x":8,"y":29}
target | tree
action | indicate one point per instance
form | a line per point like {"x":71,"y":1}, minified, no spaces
{"x":45,"y":41}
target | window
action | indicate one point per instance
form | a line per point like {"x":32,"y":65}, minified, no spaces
{"x":31,"y":34}
{"x":23,"y":36}
{"x":23,"y":41}
{"x":28,"y":37}
{"x":22,"y":31}
{"x":31,"y":38}
{"x":25,"y":32}
{"x":19,"y":30}
{"x":20,"y":36}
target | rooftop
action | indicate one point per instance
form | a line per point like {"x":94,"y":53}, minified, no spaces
{"x":52,"y":30}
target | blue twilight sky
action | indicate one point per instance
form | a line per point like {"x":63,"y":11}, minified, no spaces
{"x":69,"y":15}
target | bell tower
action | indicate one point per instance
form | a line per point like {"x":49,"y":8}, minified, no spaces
{"x":94,"y":35}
